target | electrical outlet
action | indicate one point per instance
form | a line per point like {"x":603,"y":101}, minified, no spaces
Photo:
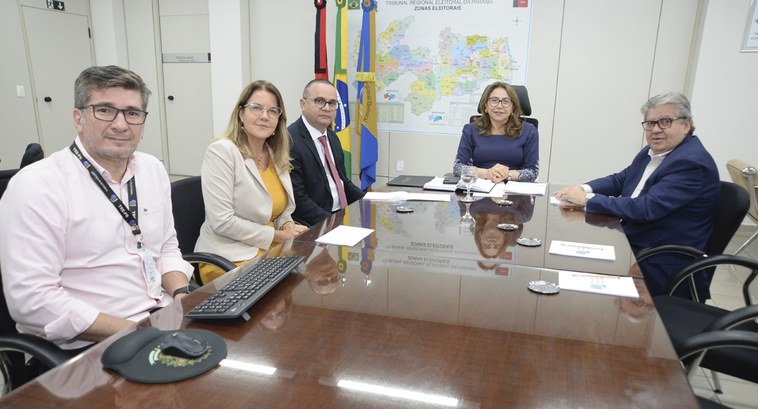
{"x":400,"y":166}
{"x":20,"y":91}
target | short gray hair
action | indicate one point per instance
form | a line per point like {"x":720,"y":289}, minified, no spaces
{"x":680,"y":102}
{"x":111,"y":76}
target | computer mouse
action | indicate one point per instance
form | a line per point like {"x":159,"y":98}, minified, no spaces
{"x":183,"y":345}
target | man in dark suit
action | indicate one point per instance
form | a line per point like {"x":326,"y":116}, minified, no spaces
{"x":667,"y":195}
{"x":319,"y":180}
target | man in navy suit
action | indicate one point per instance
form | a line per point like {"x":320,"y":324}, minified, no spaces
{"x":319,"y":180}
{"x":667,"y":195}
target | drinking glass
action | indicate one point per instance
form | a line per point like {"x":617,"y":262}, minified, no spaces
{"x":467,"y":223}
{"x":468,"y":176}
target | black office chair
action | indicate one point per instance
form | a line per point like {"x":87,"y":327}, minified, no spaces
{"x":731,"y":209}
{"x":526,"y":106}
{"x":189,"y":214}
{"x":13,"y":346}
{"x":713,"y":326}
{"x":32,"y":154}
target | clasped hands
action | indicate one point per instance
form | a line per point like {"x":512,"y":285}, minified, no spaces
{"x":288,"y":230}
{"x":497,"y":173}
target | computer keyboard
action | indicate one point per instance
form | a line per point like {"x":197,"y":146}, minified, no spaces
{"x":236,"y":297}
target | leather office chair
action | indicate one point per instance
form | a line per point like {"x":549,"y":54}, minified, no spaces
{"x":13,"y":346}
{"x":188,"y":209}
{"x":731,"y":208}
{"x":695,"y":327}
{"x":744,"y":175}
{"x":32,"y":154}
{"x":526,"y":106}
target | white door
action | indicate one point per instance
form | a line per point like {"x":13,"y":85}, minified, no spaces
{"x":189,"y":126}
{"x":60,"y":48}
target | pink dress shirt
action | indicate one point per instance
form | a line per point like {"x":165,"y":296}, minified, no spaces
{"x":66,"y":253}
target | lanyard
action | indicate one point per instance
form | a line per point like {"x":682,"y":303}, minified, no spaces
{"x":130,"y":214}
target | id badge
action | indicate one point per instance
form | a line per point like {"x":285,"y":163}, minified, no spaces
{"x":151,"y":273}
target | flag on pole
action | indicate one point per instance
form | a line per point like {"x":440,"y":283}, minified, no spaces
{"x":366,"y":112}
{"x":342,"y":121}
{"x":320,"y":68}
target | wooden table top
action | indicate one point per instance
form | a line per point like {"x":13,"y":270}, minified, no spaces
{"x":447,"y":333}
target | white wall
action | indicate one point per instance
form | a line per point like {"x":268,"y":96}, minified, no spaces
{"x":591,"y":67}
{"x":725,"y":89}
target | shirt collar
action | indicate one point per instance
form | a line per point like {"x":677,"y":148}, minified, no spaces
{"x":132,"y":167}
{"x":660,"y":155}
{"x":315,"y":134}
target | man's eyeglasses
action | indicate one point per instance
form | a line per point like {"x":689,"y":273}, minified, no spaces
{"x":109,"y":114}
{"x":321,"y":102}
{"x":495,"y":101}
{"x":662,"y":123}
{"x":258,"y":109}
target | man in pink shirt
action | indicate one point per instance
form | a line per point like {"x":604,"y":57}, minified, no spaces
{"x":87,"y":243}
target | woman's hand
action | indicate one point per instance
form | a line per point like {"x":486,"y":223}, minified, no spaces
{"x":287,"y":231}
{"x":497,"y":173}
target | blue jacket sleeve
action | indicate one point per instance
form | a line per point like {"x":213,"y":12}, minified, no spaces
{"x":674,"y":188}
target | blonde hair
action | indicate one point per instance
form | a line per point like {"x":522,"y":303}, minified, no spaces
{"x":279,"y":142}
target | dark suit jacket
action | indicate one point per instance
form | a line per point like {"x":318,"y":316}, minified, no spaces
{"x":676,"y":206}
{"x":313,"y":198}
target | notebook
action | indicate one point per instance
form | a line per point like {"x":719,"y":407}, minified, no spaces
{"x":410,"y":181}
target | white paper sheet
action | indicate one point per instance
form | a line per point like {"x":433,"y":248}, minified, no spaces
{"x":525,"y":188}
{"x":585,"y":250}
{"x":345,"y":235}
{"x":598,"y":283}
{"x":403,"y":195}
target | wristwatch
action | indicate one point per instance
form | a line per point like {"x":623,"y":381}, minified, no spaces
{"x":181,"y":290}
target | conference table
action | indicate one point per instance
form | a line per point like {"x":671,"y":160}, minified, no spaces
{"x":366,"y":327}
{"x":437,"y":229}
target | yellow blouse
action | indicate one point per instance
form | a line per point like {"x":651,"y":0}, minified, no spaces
{"x":279,"y":198}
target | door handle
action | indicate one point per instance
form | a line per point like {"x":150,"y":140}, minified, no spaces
{"x":170,"y":97}
{"x":48,"y":99}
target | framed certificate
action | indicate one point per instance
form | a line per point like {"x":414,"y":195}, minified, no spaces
{"x":750,"y":42}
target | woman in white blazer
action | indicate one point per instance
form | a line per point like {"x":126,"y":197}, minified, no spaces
{"x":246,"y":183}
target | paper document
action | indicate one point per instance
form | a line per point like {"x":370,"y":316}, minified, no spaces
{"x":345,"y":236}
{"x":525,"y":188}
{"x":402,"y":195}
{"x":570,"y":248}
{"x":558,"y":202}
{"x":481,"y":185}
{"x":598,"y":283}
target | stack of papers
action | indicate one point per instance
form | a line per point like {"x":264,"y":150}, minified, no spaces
{"x":481,"y":185}
{"x":402,"y":195}
{"x":598,"y":283}
{"x":570,"y":248}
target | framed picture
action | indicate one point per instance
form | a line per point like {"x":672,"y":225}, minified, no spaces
{"x":750,"y":42}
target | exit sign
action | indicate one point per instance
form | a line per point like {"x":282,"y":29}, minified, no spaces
{"x":56,"y":5}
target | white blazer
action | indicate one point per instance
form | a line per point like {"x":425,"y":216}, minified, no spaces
{"x":237,"y":205}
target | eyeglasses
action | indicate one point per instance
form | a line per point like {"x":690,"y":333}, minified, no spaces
{"x":321,"y":102}
{"x":495,"y":101}
{"x":258,"y":109}
{"x":662,"y":123}
{"x":109,"y":114}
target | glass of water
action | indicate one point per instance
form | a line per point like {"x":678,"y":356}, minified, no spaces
{"x":469,"y":174}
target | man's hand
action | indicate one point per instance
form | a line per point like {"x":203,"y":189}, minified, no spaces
{"x":573,"y":194}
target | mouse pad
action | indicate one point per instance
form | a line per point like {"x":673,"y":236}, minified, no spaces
{"x":138,"y":357}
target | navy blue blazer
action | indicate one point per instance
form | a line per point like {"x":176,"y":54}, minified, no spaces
{"x":313,"y":199}
{"x":676,"y":206}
